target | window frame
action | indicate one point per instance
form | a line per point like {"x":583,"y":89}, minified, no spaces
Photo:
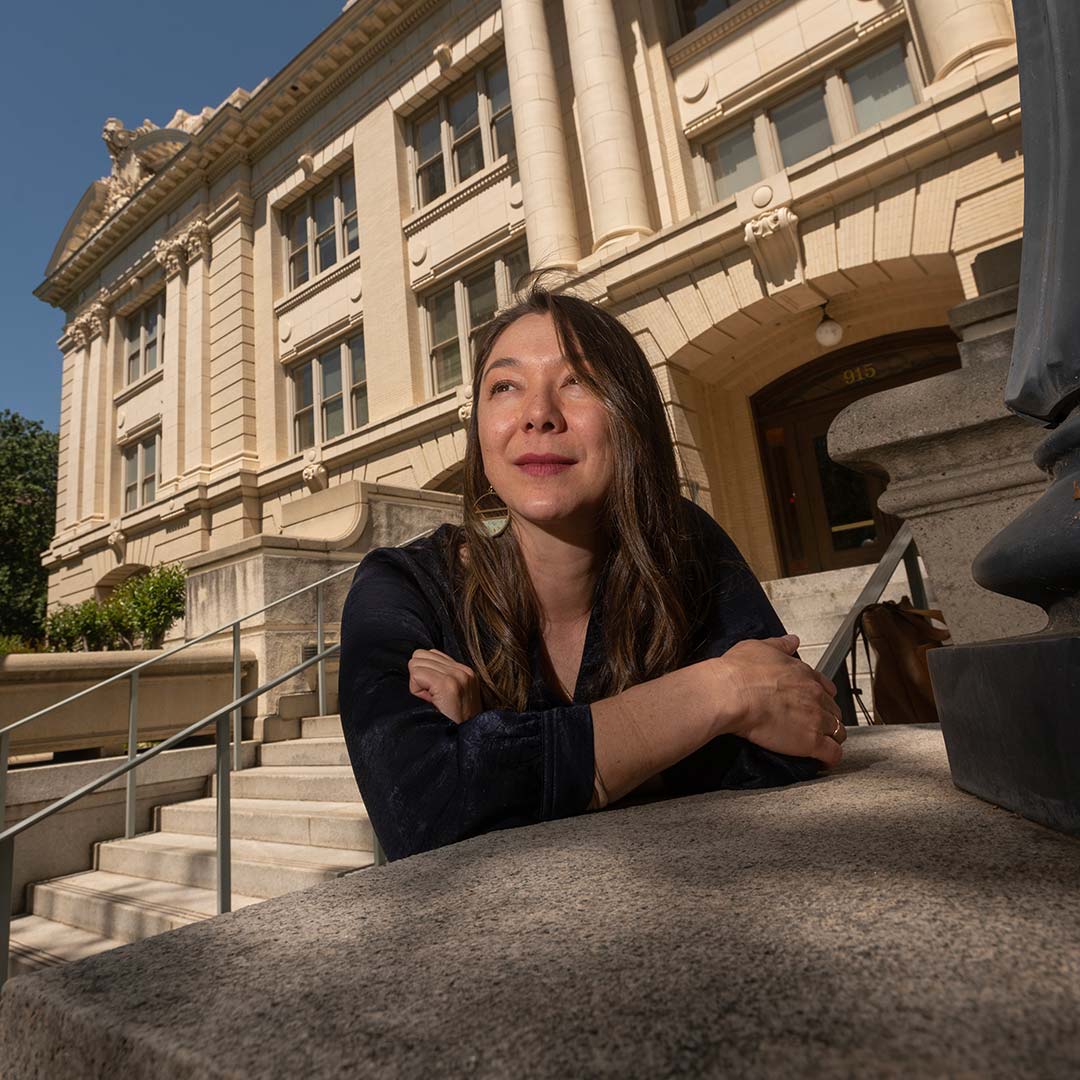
{"x":448,"y":143}
{"x":305,"y":206}
{"x":346,"y":392}
{"x":499,"y":264}
{"x":155,"y":306}
{"x":135,"y":449}
{"x":839,"y":111}
{"x":676,"y":9}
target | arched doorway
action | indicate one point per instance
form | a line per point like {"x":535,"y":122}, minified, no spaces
{"x":825,"y":515}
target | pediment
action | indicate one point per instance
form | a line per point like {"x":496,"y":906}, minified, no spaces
{"x":87,"y":216}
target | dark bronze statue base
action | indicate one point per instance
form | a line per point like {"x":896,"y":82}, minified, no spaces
{"x":1010,"y":715}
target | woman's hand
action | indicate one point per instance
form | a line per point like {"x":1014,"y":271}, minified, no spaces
{"x":451,"y":687}
{"x":777,"y":701}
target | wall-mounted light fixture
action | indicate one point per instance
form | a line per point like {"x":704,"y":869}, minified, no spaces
{"x":829,"y":332}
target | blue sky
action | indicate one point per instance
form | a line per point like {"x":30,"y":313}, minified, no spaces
{"x":66,"y":68}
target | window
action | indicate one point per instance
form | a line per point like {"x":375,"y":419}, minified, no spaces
{"x":880,"y":87}
{"x":145,"y":339}
{"x":466,"y":129}
{"x":802,"y":126}
{"x":476,"y":295}
{"x":733,"y":162}
{"x":141,"y":472}
{"x":695,"y":13}
{"x":329,"y":394}
{"x":322,"y":229}
{"x":859,"y":97}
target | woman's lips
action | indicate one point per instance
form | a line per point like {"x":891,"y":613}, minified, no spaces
{"x":545,"y":468}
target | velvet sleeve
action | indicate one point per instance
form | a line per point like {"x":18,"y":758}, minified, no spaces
{"x":425,"y":780}
{"x":733,"y":609}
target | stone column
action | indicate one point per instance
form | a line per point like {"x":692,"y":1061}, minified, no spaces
{"x":953,"y":33}
{"x":550,"y":225}
{"x":606,"y":121}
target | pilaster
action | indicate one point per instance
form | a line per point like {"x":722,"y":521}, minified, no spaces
{"x":172,"y":361}
{"x":547,"y":192}
{"x":391,"y":325}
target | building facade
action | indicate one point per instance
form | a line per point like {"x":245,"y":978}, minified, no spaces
{"x":276,"y":297}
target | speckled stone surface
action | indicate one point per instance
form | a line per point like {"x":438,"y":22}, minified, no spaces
{"x":875,"y":922}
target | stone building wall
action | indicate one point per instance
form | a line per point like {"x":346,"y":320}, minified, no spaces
{"x":612,"y":106}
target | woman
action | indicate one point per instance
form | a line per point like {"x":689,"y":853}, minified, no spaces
{"x":601,"y":636}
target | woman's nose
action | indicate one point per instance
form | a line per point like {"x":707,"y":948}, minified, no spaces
{"x":541,"y":409}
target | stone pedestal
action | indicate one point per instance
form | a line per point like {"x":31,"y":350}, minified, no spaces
{"x":244,"y":577}
{"x":959,"y":464}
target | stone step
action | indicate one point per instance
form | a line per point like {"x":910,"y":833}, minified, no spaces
{"x":289,"y":821}
{"x":318,"y":783}
{"x":321,"y":727}
{"x":260,"y":868}
{"x":38,"y":943}
{"x":305,"y":751}
{"x":122,"y":907}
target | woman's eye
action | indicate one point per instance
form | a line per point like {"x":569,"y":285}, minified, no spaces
{"x":495,"y":387}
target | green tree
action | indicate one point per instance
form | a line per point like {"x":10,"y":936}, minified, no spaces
{"x":28,"y":454}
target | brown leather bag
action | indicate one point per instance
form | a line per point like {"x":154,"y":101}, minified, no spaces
{"x":900,"y":637}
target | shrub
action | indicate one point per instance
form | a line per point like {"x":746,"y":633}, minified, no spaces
{"x":150,"y":604}
{"x":12,"y":643}
{"x":138,"y":614}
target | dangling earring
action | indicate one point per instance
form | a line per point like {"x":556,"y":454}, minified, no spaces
{"x":494,"y":520}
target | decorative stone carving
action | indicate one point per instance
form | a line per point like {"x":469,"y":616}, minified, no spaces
{"x":196,"y":239}
{"x":306,"y":163}
{"x":773,"y":239}
{"x":417,"y":251}
{"x":128,"y":173}
{"x":443,"y":54}
{"x":465,"y":409}
{"x":117,"y":541}
{"x":92,"y":322}
{"x":192,"y":243}
{"x":315,"y":473}
{"x":170,"y":255}
{"x":762,"y":196}
{"x":692,"y":86}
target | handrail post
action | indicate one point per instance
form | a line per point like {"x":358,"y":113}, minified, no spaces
{"x":7,"y":879}
{"x":915,"y":578}
{"x":320,"y":645}
{"x":224,"y":856}
{"x":5,"y":746}
{"x":236,"y":721}
{"x":132,"y":748}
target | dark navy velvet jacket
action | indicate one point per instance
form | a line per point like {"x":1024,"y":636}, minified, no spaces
{"x":427,"y":781}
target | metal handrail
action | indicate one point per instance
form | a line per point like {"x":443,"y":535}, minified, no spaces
{"x":224,"y":867}
{"x":222,"y":738}
{"x":135,"y":668}
{"x":902,"y":548}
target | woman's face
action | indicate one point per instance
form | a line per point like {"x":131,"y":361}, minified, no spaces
{"x":531,"y":404}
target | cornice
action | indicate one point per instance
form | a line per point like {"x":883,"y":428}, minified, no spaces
{"x":445,"y":203}
{"x":357,"y":37}
{"x":305,"y":292}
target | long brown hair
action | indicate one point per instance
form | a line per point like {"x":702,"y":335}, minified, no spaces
{"x":651,"y":565}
